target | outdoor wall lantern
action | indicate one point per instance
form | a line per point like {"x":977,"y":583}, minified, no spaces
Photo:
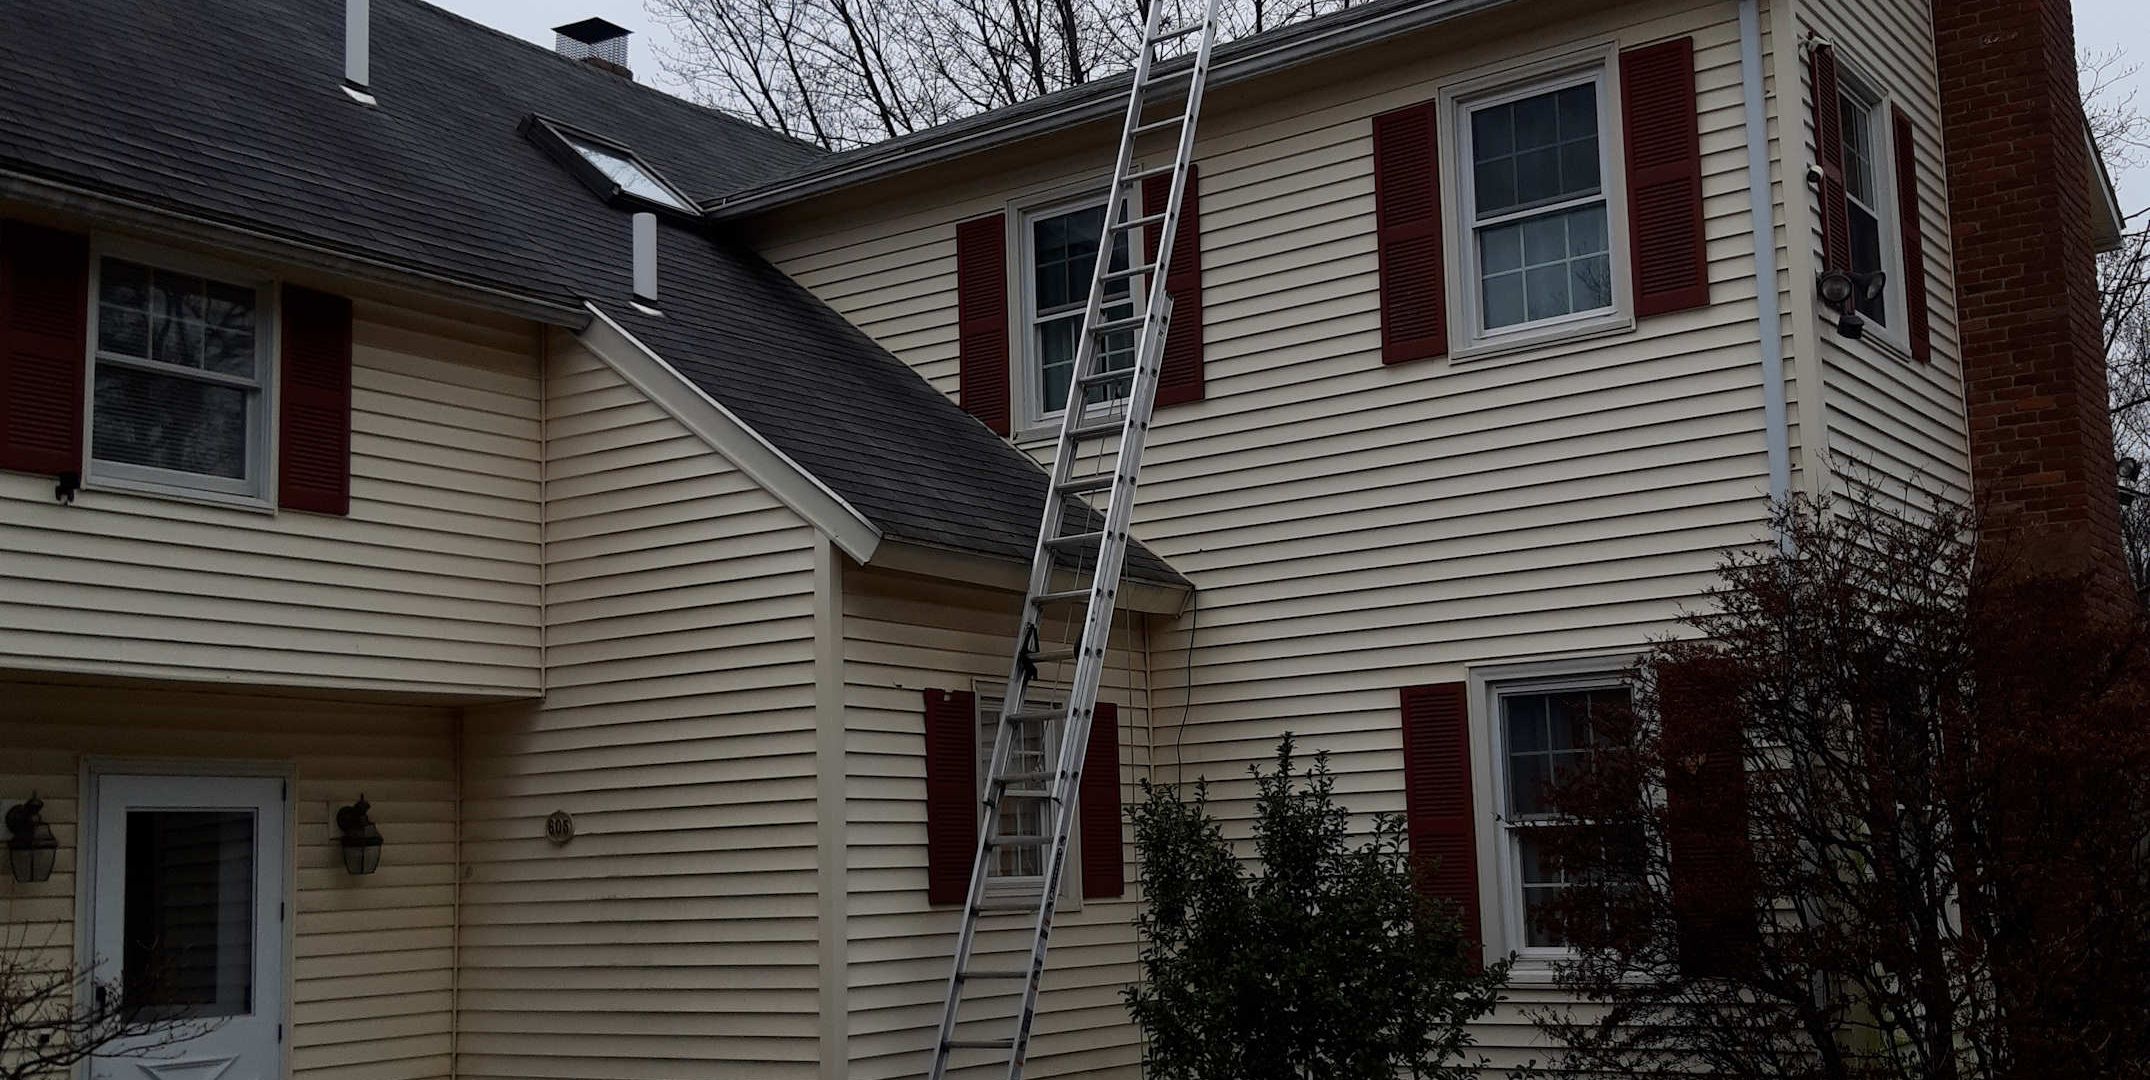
{"x":361,"y":841}
{"x":31,"y":847}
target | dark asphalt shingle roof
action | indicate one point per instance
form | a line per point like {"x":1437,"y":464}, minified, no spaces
{"x":233,"y":111}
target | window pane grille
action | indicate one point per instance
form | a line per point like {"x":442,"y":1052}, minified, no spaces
{"x":1063,"y":251}
{"x":1538,"y":208}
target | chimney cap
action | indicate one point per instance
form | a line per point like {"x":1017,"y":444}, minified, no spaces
{"x":592,"y":31}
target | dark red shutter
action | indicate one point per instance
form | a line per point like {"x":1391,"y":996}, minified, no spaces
{"x":1712,"y":859}
{"x":1407,"y":233}
{"x":1829,"y":152}
{"x":952,"y":804}
{"x":1913,"y":235}
{"x":982,"y":319}
{"x":1438,"y":810}
{"x":1104,"y":871}
{"x":44,"y":321}
{"x":1179,"y":379}
{"x":1664,"y":178}
{"x":314,"y":431}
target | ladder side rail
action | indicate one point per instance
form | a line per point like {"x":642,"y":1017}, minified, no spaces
{"x":1082,"y":696}
{"x":1051,"y":516}
{"x":1074,"y":742}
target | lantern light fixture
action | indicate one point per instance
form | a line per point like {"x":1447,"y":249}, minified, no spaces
{"x":31,"y":847}
{"x":360,"y":840}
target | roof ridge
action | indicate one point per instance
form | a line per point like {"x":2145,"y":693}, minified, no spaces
{"x":587,"y":71}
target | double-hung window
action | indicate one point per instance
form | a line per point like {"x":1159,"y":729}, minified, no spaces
{"x":179,"y":378}
{"x":1535,"y":206}
{"x":1545,"y":732}
{"x":1059,"y":252}
{"x":1863,"y":195}
{"x":1024,"y":809}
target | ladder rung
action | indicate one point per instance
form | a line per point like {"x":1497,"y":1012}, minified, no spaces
{"x":1144,"y":174}
{"x":1114,"y":326}
{"x":1030,"y":793}
{"x":1146,"y":219}
{"x":1018,"y":841}
{"x":1176,"y":33}
{"x":998,"y":973}
{"x":1160,"y":125}
{"x":982,"y":1044}
{"x":1074,"y":540}
{"x":1032,"y":716}
{"x":1087,"y":485}
{"x":1130,"y":272}
{"x":1101,"y":378}
{"x":1052,"y":656}
{"x":1107,"y":426}
{"x":1008,"y":903}
{"x":1069,"y":596}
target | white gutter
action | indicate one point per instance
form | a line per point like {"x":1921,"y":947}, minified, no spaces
{"x":1768,"y":319}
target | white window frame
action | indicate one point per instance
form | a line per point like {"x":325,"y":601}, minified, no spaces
{"x":1501,"y":891}
{"x":253,"y":491}
{"x":989,"y":696}
{"x":1502,"y":85}
{"x":1881,"y":141}
{"x":1034,"y":418}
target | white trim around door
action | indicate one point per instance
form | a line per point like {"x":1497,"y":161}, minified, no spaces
{"x":187,"y":901}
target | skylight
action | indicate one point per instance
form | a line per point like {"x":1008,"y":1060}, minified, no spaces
{"x":630,"y":174}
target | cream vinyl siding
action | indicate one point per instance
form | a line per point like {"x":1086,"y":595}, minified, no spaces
{"x":903,"y":635}
{"x":372,"y":957}
{"x":1353,"y":527}
{"x":429,"y":586}
{"x":675,"y":935}
{"x":1891,"y":420}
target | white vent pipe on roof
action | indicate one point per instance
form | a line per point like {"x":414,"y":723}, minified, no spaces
{"x":645,"y":255}
{"x":357,"y":63}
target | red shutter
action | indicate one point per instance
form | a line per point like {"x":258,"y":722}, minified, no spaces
{"x":1664,"y":178}
{"x":1438,"y":809}
{"x":1180,"y":376}
{"x":1829,"y":152}
{"x":952,"y":805}
{"x":1712,"y":859}
{"x":1104,"y":871}
{"x":982,"y":319}
{"x":1913,"y":238}
{"x":1407,"y":233}
{"x":44,"y":320}
{"x":314,"y":430}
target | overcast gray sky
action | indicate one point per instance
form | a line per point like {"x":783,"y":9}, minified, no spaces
{"x":2099,"y":25}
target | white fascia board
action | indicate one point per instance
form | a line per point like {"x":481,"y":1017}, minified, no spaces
{"x":730,"y":436}
{"x":1012,"y":576}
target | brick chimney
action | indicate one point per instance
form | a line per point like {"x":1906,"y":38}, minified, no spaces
{"x":2023,"y":192}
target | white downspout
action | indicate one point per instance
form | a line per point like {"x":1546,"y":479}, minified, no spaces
{"x":1768,"y":319}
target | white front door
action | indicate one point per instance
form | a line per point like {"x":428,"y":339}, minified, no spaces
{"x":186,"y":918}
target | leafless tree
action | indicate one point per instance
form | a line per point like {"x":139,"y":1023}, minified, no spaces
{"x":2122,"y":133}
{"x":843,"y":73}
{"x":54,"y":1016}
{"x":1883,"y":819}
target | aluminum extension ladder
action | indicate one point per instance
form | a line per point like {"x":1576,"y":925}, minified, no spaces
{"x":1097,"y":550}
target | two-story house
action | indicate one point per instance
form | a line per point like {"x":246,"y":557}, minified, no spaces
{"x":369,"y":466}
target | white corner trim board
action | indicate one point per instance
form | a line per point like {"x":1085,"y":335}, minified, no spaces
{"x":730,"y":436}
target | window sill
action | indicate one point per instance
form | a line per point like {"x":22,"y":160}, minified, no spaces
{"x":1564,"y":334}
{"x":253,"y":504}
{"x":1537,"y":970}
